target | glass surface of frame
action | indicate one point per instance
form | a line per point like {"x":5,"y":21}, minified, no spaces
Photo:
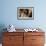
{"x":25,"y":13}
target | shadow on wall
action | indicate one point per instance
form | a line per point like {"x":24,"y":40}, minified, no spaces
{"x":2,"y":26}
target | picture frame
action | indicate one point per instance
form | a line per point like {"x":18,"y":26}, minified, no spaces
{"x":25,"y":13}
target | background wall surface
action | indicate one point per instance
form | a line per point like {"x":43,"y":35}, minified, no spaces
{"x":8,"y":13}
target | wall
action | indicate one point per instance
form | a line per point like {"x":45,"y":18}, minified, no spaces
{"x":8,"y":13}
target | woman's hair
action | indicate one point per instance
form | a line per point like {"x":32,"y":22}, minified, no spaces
{"x":26,"y":11}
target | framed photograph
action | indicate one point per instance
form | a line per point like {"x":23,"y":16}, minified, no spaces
{"x":25,"y":13}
